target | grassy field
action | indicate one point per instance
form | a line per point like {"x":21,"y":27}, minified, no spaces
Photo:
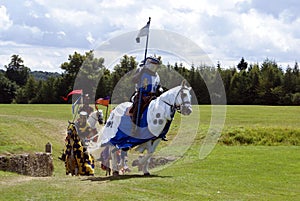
{"x":257,"y":158}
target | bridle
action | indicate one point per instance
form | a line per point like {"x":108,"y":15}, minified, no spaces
{"x":177,"y":107}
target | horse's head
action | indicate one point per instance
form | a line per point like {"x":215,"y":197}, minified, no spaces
{"x":96,"y":116}
{"x":183,"y":99}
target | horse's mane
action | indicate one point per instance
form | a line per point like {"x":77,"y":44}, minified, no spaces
{"x":170,"y":94}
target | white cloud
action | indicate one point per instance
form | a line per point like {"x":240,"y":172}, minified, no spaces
{"x":264,"y":36}
{"x":5,"y":22}
{"x":47,"y":15}
{"x":111,"y":4}
{"x":61,"y":34}
{"x":77,"y":18}
{"x":90,"y":38}
{"x":227,"y":30}
{"x":36,"y":57}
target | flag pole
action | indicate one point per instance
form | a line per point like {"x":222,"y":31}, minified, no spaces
{"x":106,"y":115}
{"x":145,"y":56}
{"x":74,"y":104}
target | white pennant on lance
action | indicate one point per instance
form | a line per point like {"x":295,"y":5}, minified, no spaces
{"x":143,"y":32}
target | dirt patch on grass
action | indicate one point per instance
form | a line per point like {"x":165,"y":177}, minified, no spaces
{"x":19,"y":180}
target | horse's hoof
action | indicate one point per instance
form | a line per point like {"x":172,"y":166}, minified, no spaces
{"x":127,"y":170}
{"x":147,"y":174}
{"x":135,"y":163}
{"x":115,"y":173}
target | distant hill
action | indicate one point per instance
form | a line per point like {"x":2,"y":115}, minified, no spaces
{"x":42,"y":75}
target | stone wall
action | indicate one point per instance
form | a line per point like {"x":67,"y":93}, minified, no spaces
{"x":36,"y":164}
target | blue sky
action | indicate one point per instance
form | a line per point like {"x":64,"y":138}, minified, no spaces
{"x":45,"y":32}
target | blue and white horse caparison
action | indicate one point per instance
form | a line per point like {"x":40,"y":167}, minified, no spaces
{"x":154,"y":125}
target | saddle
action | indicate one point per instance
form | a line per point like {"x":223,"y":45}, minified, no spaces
{"x":145,"y":101}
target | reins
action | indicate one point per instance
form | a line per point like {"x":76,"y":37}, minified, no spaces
{"x":174,"y":106}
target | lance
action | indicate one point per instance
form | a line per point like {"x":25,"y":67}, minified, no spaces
{"x":140,"y":84}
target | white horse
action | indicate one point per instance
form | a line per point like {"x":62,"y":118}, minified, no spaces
{"x":94,"y":117}
{"x":154,"y":125}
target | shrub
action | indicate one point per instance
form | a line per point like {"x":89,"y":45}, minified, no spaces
{"x":260,"y":136}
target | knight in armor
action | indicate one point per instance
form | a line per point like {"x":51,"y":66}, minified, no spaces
{"x":147,"y":83}
{"x":84,"y":129}
{"x":86,"y":107}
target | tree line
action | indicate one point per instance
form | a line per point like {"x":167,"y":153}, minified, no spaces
{"x":264,"y":84}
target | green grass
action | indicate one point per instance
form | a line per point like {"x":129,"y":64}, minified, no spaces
{"x":229,"y":173}
{"x":233,"y":172}
{"x":27,"y":128}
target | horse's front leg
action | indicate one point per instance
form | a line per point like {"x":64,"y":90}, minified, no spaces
{"x":145,"y":165}
{"x":123,"y":163}
{"x":144,"y":161}
{"x":114,"y":160}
